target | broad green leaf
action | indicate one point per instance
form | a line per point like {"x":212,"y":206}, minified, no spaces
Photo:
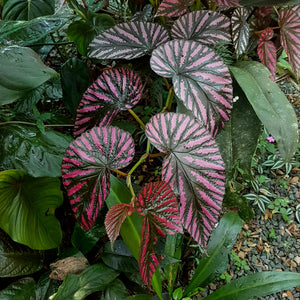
{"x":93,"y":279}
{"x":26,"y":218}
{"x":215,"y":262}
{"x":21,"y":70}
{"x":75,"y":79}
{"x":25,"y":33}
{"x":269,"y":103}
{"x":24,"y":147}
{"x":268,"y":2}
{"x":27,"y":10}
{"x":256,"y":285}
{"x":20,"y":290}
{"x":238,"y":140}
{"x":115,"y":291}
{"x":17,"y":259}
{"x":46,"y":287}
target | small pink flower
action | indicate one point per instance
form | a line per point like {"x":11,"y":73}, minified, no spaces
{"x":270,"y":139}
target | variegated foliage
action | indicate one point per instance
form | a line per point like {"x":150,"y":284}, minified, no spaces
{"x":173,"y":8}
{"x":86,"y":168}
{"x":114,"y":90}
{"x":194,"y":169}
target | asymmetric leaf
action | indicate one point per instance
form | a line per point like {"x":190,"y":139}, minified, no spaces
{"x":289,"y":23}
{"x":200,"y":78}
{"x":194,"y":169}
{"x":26,"y":218}
{"x":128,"y":41}
{"x":173,"y":8}
{"x":229,"y":3}
{"x":267,"y":51}
{"x":86,"y":169}
{"x":240,"y":29}
{"x":114,"y":90}
{"x":115,"y":218}
{"x":206,"y":27}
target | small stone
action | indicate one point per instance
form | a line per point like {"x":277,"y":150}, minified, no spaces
{"x":291,"y":255}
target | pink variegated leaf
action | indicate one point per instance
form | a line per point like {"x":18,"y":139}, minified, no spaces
{"x":289,"y":23}
{"x":194,"y":169}
{"x":240,"y":29}
{"x":229,"y":3}
{"x":200,"y":78}
{"x":114,"y":90}
{"x":148,"y":260}
{"x":173,"y":8}
{"x":86,"y":167}
{"x":267,"y":51}
{"x":128,"y":40}
{"x":115,"y":218}
{"x":159,"y":205}
{"x":207,"y":27}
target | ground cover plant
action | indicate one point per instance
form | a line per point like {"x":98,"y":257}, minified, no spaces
{"x":182,"y":87}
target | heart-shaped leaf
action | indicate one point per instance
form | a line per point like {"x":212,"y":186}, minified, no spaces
{"x":200,"y":78}
{"x":289,"y":23}
{"x":86,"y":169}
{"x":17,"y":259}
{"x":267,"y":51}
{"x":206,"y":27}
{"x":194,"y":169}
{"x":114,"y":90}
{"x":26,"y":218}
{"x":128,"y":41}
{"x":173,"y":8}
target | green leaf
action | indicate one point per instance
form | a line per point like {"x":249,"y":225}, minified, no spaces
{"x":268,"y":2}
{"x":115,"y":291}
{"x":20,"y":290}
{"x":93,"y":279}
{"x":238,"y":140}
{"x":139,"y":297}
{"x":46,"y":287}
{"x":256,"y":285}
{"x":215,"y":262}
{"x":26,"y":218}
{"x":25,"y":147}
{"x":27,"y":10}
{"x":75,"y":78}
{"x":17,"y":259}
{"x":269,"y":103}
{"x":25,"y":33}
{"x":83,"y":32}
{"x":21,"y":70}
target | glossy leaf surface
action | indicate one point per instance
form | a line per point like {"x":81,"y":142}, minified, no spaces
{"x":21,"y":70}
{"x":27,"y":10}
{"x":26,"y":148}
{"x":128,"y":41}
{"x":270,"y":104}
{"x":256,"y":285}
{"x":194,"y":169}
{"x":116,"y":290}
{"x":22,"y":289}
{"x":240,"y":29}
{"x":200,"y":79}
{"x":267,"y":51}
{"x":114,"y":90}
{"x":26,"y":218}
{"x":17,"y":259}
{"x":206,"y":27}
{"x":86,"y":168}
{"x":173,"y":8}
{"x":289,"y":23}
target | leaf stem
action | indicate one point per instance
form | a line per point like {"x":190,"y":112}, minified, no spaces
{"x":157,"y":155}
{"x":120,"y":173}
{"x":141,"y":160}
{"x":169,"y":100}
{"x":34,"y":124}
{"x":166,"y":83}
{"x":137,"y":118}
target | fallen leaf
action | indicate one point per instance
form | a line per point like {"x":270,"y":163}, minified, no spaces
{"x":294,"y":180}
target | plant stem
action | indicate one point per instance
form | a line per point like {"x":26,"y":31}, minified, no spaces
{"x":120,"y":173}
{"x":128,"y":182}
{"x":141,"y":160}
{"x":166,"y":83}
{"x":137,"y":118}
{"x":169,"y":100}
{"x":51,"y":44}
{"x":34,"y":124}
{"x":156,"y":155}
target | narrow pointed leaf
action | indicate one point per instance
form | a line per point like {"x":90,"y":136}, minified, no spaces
{"x":173,"y":8}
{"x":200,"y":78}
{"x":206,"y":27}
{"x":240,"y":29}
{"x":229,"y":3}
{"x":128,"y":41}
{"x":194,"y":169}
{"x":256,"y":285}
{"x":289,"y":23}
{"x":114,"y":90}
{"x":267,"y":51}
{"x":86,"y":168}
{"x":115,"y":218}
